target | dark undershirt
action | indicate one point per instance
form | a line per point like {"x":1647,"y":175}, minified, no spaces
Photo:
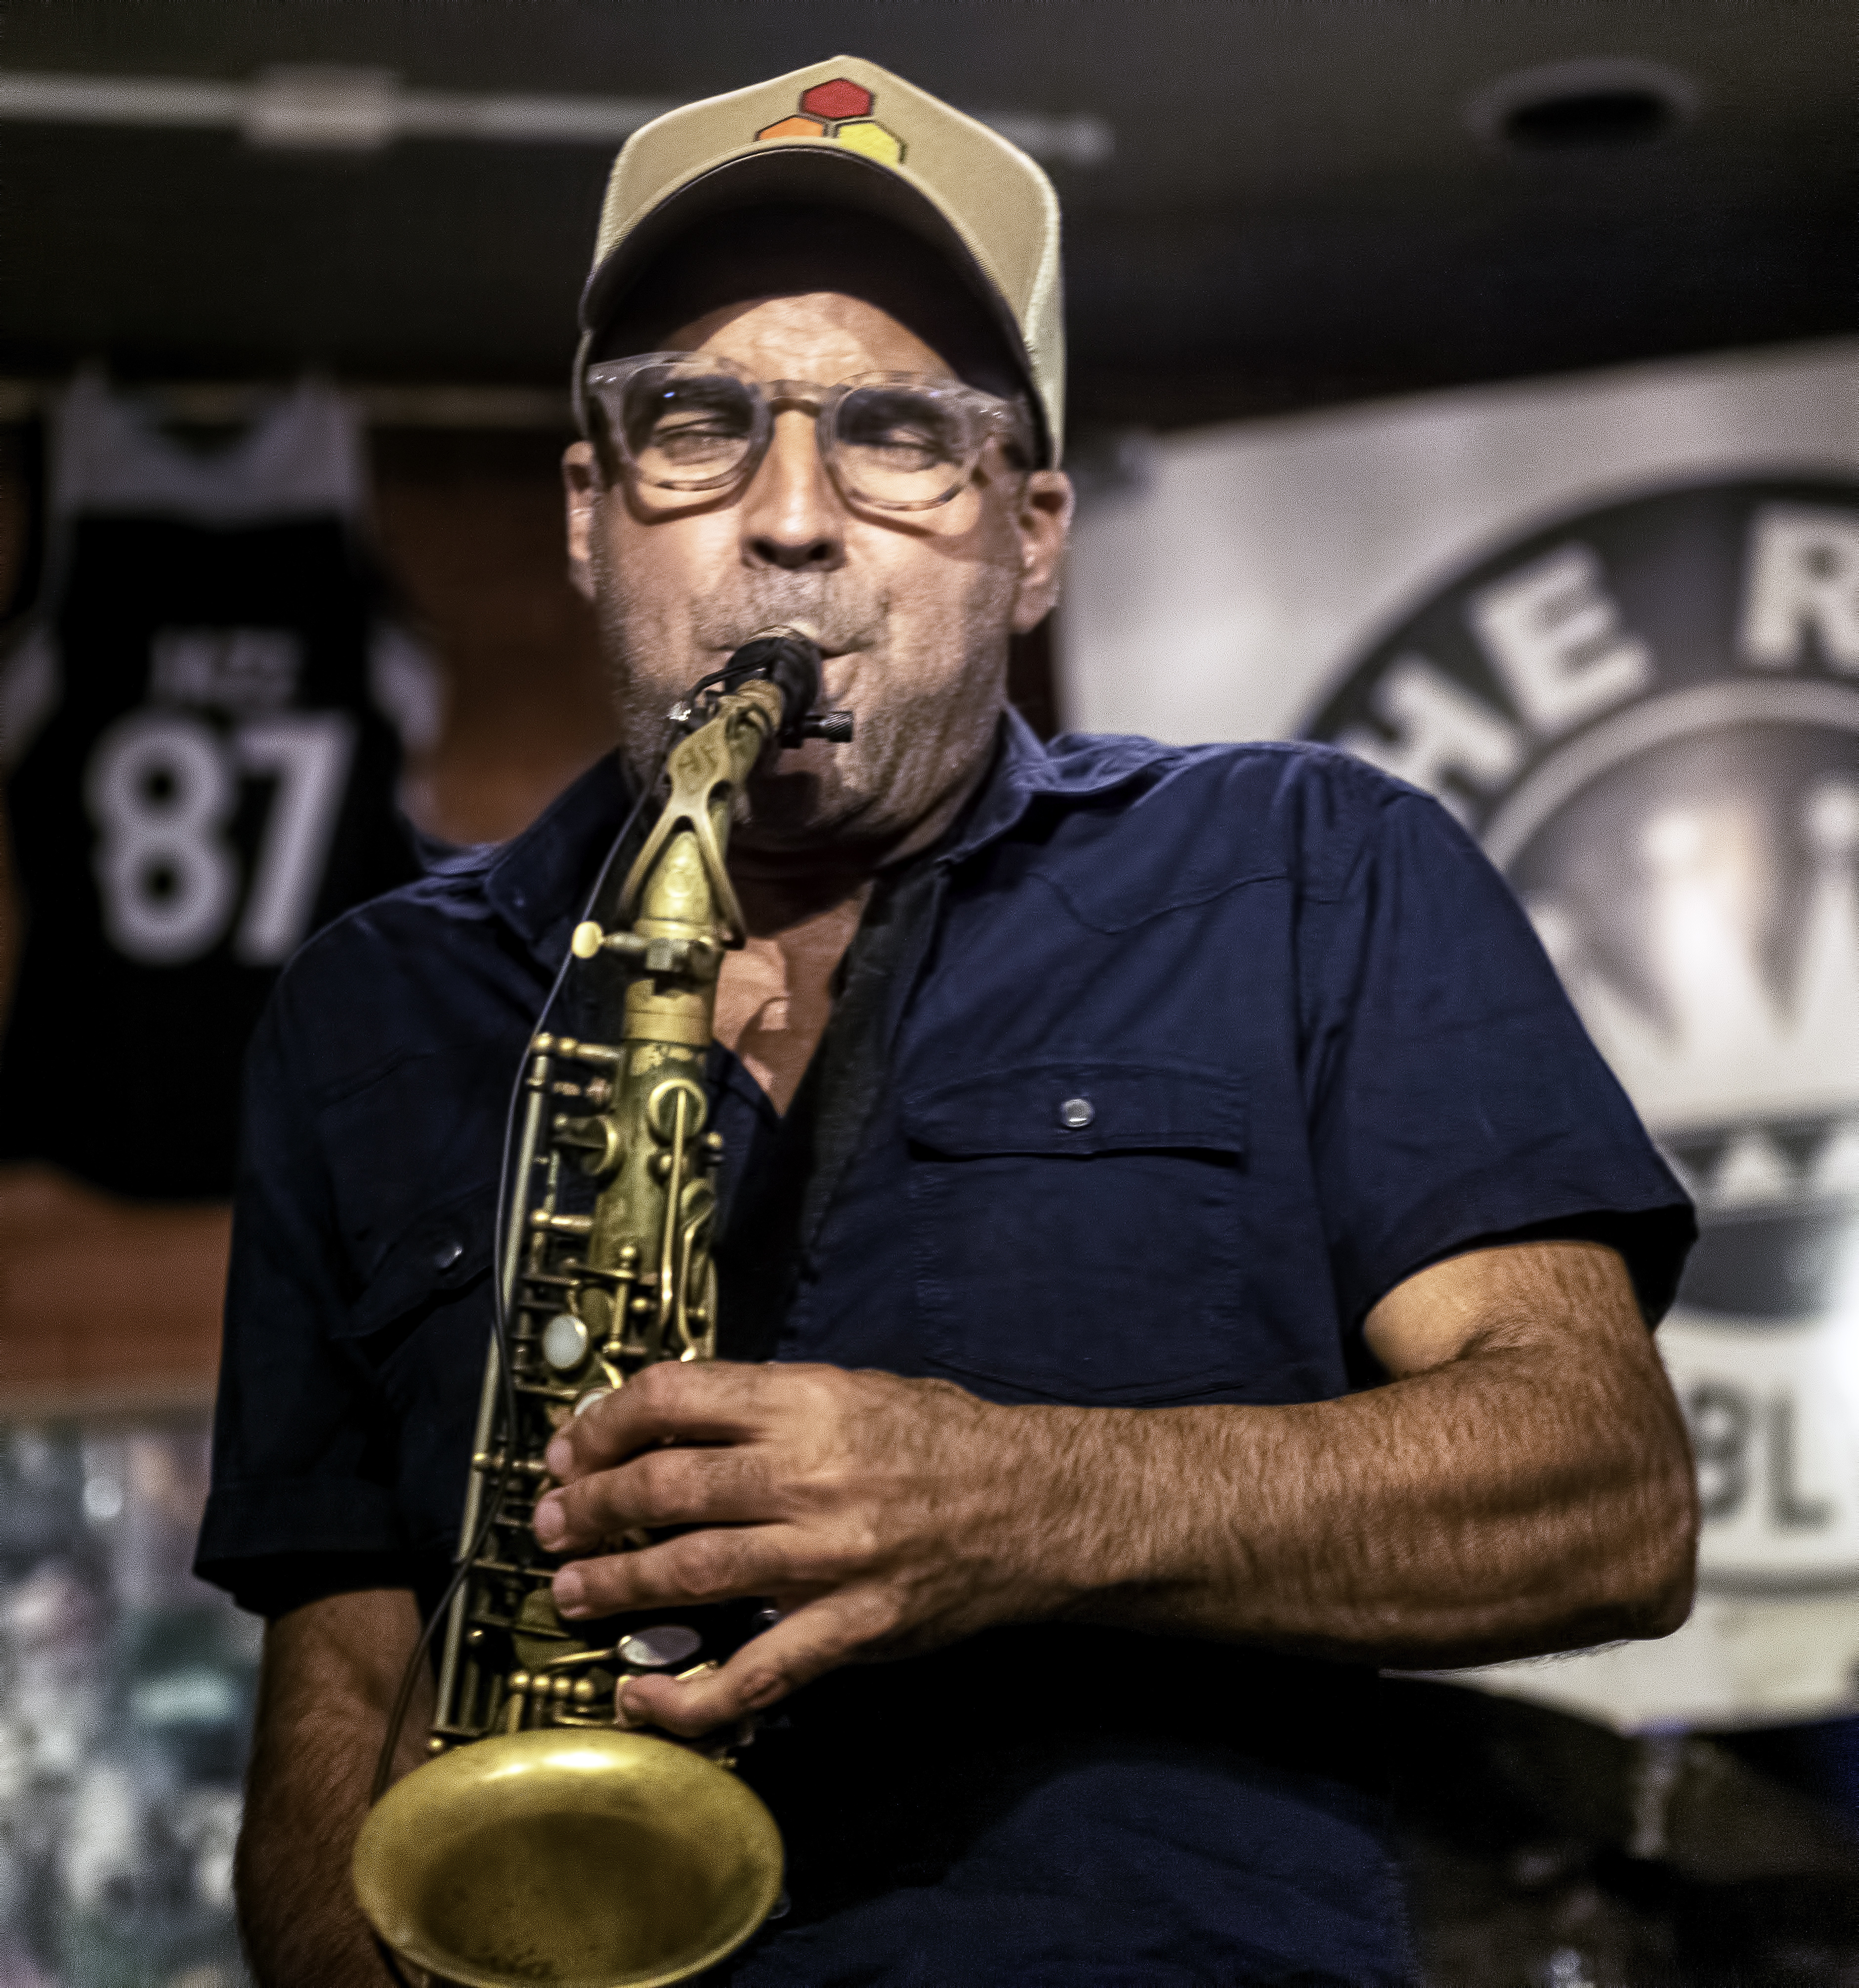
{"x":777,"y":1200}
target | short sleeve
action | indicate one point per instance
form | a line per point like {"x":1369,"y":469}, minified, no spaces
{"x":1454,"y":1098}
{"x":303,"y":1449}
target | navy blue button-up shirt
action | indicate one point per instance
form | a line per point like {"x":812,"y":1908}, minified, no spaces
{"x":1189,"y":1056}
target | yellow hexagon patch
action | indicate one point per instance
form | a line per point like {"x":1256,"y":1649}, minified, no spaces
{"x":867,"y":135}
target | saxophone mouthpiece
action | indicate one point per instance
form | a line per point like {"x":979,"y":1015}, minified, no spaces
{"x":788,"y":655}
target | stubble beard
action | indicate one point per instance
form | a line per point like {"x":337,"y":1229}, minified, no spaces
{"x":923,"y":727}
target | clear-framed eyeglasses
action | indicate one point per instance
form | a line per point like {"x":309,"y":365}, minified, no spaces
{"x":697,"y":422}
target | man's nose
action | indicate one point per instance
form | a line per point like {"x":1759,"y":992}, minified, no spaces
{"x":792,"y":515}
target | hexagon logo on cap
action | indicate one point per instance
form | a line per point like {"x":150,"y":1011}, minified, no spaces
{"x":837,"y":99}
{"x":840,"y":111}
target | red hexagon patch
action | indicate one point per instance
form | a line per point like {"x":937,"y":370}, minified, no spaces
{"x":836,"y":99}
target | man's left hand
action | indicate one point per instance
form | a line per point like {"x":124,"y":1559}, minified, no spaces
{"x":880,"y":1516}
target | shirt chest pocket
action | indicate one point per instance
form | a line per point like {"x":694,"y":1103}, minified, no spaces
{"x":1075,"y":1228}
{"x":429,"y":1286}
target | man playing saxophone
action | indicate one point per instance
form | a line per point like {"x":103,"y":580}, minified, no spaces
{"x":1179,"y":1254}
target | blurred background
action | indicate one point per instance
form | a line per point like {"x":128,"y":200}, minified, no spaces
{"x":1473,"y":385}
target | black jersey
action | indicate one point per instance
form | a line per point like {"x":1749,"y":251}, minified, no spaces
{"x":208,"y":774}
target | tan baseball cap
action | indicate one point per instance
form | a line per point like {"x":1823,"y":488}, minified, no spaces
{"x":845,"y":132}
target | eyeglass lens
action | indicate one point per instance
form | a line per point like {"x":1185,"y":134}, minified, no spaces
{"x":899,"y":445}
{"x":688,"y":430}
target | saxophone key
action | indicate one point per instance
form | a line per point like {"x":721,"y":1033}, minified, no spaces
{"x":659,"y":1647}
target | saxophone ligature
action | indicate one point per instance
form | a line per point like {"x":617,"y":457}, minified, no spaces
{"x":541,"y":1843}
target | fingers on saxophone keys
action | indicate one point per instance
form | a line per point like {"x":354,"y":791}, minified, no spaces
{"x":698,"y":1567}
{"x":666,"y":1487}
{"x":815,"y":1638}
{"x":705,"y":1402}
{"x":593,"y":1509}
{"x":686,"y":1706}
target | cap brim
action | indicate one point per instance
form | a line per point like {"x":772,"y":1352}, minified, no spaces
{"x":792,"y":171}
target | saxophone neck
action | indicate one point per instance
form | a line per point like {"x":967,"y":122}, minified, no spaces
{"x":763,"y":696}
{"x":704,"y":771}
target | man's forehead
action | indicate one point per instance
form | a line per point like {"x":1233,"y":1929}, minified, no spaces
{"x":823,"y":335}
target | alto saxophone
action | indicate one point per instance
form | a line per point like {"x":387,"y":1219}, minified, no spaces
{"x":541,"y":1844}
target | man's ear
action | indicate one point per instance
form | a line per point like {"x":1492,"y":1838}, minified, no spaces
{"x":1044,"y":522}
{"x":581,"y":486}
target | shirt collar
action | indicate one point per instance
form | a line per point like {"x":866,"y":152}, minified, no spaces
{"x":1025,"y":770}
{"x":539,"y":882}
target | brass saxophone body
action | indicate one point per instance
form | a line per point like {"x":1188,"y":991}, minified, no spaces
{"x":541,"y":1844}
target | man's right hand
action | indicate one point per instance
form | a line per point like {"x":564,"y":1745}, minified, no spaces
{"x":332,"y":1670}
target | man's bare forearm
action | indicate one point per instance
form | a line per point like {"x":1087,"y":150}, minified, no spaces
{"x":1329,"y":1539}
{"x":331,"y":1671}
{"x":1532,"y":1493}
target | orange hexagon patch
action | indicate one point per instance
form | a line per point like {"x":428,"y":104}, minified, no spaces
{"x":794,"y":127}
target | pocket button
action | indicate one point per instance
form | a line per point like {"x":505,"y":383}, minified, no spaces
{"x":448,"y":1253}
{"x":1077,"y":1112}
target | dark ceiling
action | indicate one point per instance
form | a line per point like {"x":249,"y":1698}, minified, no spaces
{"x":1296,"y":211}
